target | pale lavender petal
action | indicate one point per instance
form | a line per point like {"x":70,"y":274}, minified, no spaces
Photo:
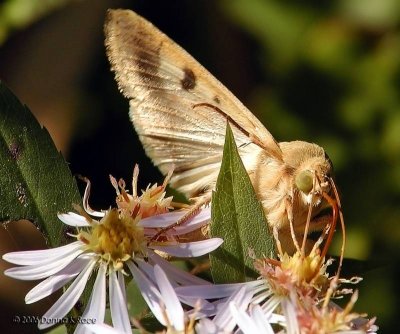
{"x":73,"y":219}
{"x":289,"y":312}
{"x":53,"y":283}
{"x":170,"y":218}
{"x":172,"y":305}
{"x":223,"y":318}
{"x":26,"y":258}
{"x":147,"y":269}
{"x":259,"y":318}
{"x":96,"y":307}
{"x":121,"y":281}
{"x":213,"y":291}
{"x":162,"y":220}
{"x":190,"y":249}
{"x":271,"y":304}
{"x":149,"y":292}
{"x":65,"y":303}
{"x":244,"y":321}
{"x":44,"y":269}
{"x":118,"y":308}
{"x":176,"y":274}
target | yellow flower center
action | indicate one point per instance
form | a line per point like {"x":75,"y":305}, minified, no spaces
{"x":303,"y":268}
{"x":115,"y":239}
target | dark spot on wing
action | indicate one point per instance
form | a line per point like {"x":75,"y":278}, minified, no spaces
{"x":189,"y":79}
{"x":148,"y":62}
{"x":216,"y":99}
{"x":15,"y":150}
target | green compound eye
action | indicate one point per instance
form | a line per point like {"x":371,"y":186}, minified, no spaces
{"x":304,"y":181}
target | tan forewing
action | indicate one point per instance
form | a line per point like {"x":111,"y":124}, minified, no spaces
{"x":166,"y":86}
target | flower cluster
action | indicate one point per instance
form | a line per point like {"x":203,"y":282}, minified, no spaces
{"x":293,"y":294}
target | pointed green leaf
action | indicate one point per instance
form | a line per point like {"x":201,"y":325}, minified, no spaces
{"x":238,"y":218}
{"x":35,"y":181}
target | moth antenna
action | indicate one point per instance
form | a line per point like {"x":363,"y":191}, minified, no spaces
{"x":303,"y":246}
{"x":331,"y":226}
{"x":342,"y":225}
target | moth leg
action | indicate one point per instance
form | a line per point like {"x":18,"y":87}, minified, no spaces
{"x":193,"y":211}
{"x":289,"y":210}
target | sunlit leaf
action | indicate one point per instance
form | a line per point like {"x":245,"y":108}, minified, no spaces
{"x":238,"y":218}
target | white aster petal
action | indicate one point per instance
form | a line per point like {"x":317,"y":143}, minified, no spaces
{"x":213,"y":290}
{"x":289,"y":313}
{"x":65,"y":303}
{"x":73,"y":219}
{"x":259,"y":318}
{"x":44,"y":269}
{"x":161,"y":220}
{"x":170,"y":218}
{"x":149,"y":292}
{"x":26,"y":258}
{"x":96,"y":307}
{"x":176,"y":274}
{"x":173,"y":307}
{"x":118,"y":308}
{"x":53,"y":283}
{"x":224,"y":319}
{"x":246,"y":324}
{"x":190,"y":249}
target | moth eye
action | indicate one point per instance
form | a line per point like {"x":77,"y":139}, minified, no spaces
{"x":304,"y":181}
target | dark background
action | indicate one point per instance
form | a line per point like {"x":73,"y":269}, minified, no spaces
{"x":321,"y":71}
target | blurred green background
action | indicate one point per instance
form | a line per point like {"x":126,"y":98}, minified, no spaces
{"x":322,"y":71}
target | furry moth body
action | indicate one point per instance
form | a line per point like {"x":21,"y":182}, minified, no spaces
{"x":179,"y":111}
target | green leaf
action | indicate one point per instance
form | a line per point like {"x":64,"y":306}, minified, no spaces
{"x":35,"y":181}
{"x":238,"y":218}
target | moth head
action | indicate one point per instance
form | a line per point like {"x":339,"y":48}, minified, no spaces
{"x":314,"y":175}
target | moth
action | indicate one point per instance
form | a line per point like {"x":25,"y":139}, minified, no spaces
{"x":180,"y":112}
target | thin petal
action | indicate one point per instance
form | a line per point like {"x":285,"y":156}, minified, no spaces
{"x":190,"y":249}
{"x":26,"y":258}
{"x":178,"y":275}
{"x":259,"y":318}
{"x":223,"y":318}
{"x":42,"y":270}
{"x":96,"y":307}
{"x":53,"y":283}
{"x":167,"y":219}
{"x":213,"y":291}
{"x":289,"y":312}
{"x":119,"y":311}
{"x":149,"y":292}
{"x":73,"y":219}
{"x":121,"y":281}
{"x":63,"y":305}
{"x":244,"y":321}
{"x":172,"y":305}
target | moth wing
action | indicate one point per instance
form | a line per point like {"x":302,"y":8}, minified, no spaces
{"x":178,"y":109}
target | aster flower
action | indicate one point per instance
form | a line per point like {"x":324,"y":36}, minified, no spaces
{"x":295,"y":294}
{"x":121,"y":242}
